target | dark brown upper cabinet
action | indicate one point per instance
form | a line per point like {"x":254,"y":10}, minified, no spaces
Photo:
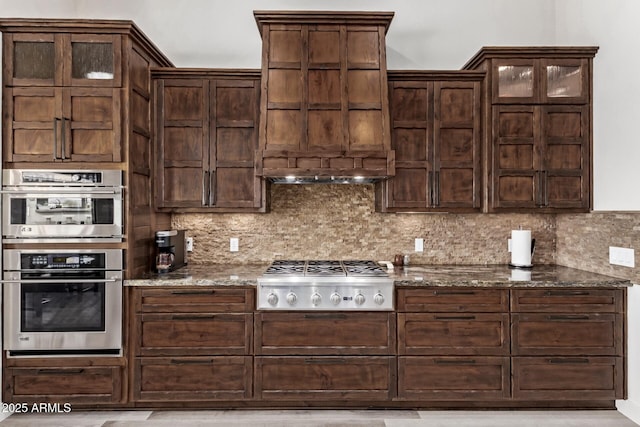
{"x":65,"y":59}
{"x":538,"y":127}
{"x":435,"y":132}
{"x":324,"y":106}
{"x":206,"y":131}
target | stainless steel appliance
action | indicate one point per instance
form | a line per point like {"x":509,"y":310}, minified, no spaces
{"x":325,"y":285}
{"x":170,"y":250}
{"x":46,"y":206}
{"x":63,"y":301}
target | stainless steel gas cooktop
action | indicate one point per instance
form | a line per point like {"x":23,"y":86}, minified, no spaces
{"x":325,"y":285}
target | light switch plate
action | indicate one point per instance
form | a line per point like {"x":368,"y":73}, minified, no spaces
{"x":189,"y":244}
{"x":233,"y":244}
{"x":622,"y":256}
{"x":419,"y":244}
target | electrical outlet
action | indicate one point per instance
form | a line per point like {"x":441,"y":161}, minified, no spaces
{"x":419,"y":245}
{"x":234,"y":244}
{"x":189,"y":244}
{"x":622,"y":256}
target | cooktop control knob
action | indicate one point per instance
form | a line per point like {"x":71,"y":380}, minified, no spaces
{"x":335,"y":298}
{"x":359,"y":299}
{"x":292,"y":298}
{"x":272,"y":299}
{"x":378,"y":299}
{"x":316,"y":299}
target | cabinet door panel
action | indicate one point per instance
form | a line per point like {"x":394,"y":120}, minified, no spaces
{"x":192,"y":378}
{"x":568,"y":378}
{"x":453,"y":378}
{"x":202,"y":299}
{"x":325,"y":378}
{"x":92,"y":126}
{"x":567,"y":300}
{"x":325,"y":333}
{"x":85,"y":384}
{"x":202,"y":333}
{"x":567,"y":334}
{"x":452,"y":299}
{"x":453,"y":333}
{"x":32,"y":124}
{"x":566,"y":165}
{"x":235,"y":187}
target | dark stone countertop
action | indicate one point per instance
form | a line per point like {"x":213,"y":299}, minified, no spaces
{"x":411,"y":276}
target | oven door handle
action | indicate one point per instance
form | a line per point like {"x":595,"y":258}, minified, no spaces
{"x":60,"y":281}
{"x":81,"y":191}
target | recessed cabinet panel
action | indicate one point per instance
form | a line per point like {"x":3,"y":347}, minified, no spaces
{"x":566,"y":334}
{"x":568,"y":378}
{"x":322,"y":42}
{"x":187,"y":378}
{"x":453,"y":299}
{"x":363,"y":47}
{"x":410,"y":145}
{"x":34,"y":60}
{"x":453,"y":333}
{"x":325,"y":378}
{"x":325,"y":333}
{"x":202,"y":333}
{"x":453,"y":378}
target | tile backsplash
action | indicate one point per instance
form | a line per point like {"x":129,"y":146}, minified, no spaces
{"x":339,"y":222}
{"x":583,"y":241}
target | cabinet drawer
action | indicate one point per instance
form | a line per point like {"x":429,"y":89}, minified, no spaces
{"x":453,"y":333}
{"x":192,"y":378}
{"x":453,"y":378}
{"x":325,"y":378}
{"x":193,"y":334}
{"x":325,"y":333}
{"x":200,"y":299}
{"x":446,"y":299}
{"x":567,"y":300}
{"x":568,"y":378}
{"x":81,"y":384}
{"x":567,"y":334}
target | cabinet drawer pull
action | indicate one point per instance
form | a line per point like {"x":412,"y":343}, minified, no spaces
{"x":443,"y":292}
{"x":60,"y":371}
{"x":325,"y":316}
{"x":564,"y":293}
{"x":455,"y":317}
{"x":568,"y":360}
{"x":191,"y":362}
{"x":192,"y":317}
{"x":195,"y":292}
{"x":324,"y":361}
{"x":569,"y":317}
{"x":455,"y":361}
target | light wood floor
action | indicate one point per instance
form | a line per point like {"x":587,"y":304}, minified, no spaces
{"x":323,"y":418}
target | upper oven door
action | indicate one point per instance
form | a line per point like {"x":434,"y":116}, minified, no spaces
{"x":71,"y":209}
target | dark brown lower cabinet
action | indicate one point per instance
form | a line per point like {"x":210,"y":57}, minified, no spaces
{"x":193,"y":378}
{"x":568,"y":378}
{"x":453,"y":378}
{"x":66,"y":381}
{"x":358,"y":378}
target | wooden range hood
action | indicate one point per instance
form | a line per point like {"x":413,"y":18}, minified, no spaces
{"x":324,"y":109}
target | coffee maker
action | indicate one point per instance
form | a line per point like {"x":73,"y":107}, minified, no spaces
{"x":170,"y":250}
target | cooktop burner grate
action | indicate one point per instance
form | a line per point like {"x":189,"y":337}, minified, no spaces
{"x":326,"y":268}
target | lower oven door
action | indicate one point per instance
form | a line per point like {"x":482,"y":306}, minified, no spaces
{"x":54,"y":314}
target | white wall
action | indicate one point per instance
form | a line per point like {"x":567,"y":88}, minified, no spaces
{"x":433,"y":34}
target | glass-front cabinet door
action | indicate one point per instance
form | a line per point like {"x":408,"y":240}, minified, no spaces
{"x":541,"y":81}
{"x":35,"y":59}
{"x":564,"y":81}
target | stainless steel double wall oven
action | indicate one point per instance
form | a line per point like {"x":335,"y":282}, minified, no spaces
{"x":62,"y":292}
